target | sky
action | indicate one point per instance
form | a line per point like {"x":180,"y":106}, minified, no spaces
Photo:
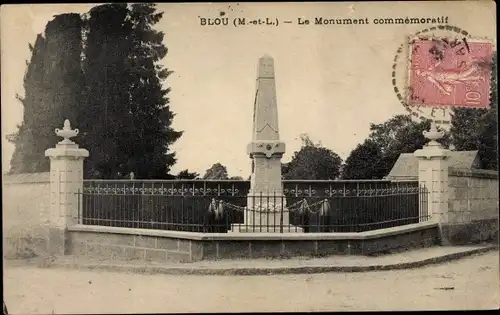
{"x":332,"y":81}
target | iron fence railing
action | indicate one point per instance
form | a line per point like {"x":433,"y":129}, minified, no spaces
{"x":242,"y":187}
{"x":222,"y":206}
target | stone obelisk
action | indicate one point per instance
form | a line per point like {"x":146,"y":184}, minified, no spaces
{"x":266,"y":210}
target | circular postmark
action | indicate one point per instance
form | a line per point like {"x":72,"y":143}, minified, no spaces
{"x":440,"y":68}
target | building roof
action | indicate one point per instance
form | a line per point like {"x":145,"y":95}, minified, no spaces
{"x":407,"y":163}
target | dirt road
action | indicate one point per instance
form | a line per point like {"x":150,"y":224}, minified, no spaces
{"x":470,"y":283}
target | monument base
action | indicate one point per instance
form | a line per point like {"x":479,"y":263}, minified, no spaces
{"x":247,"y":228}
{"x":266,"y":214}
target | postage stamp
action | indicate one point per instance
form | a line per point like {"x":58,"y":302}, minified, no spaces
{"x":442,"y":67}
{"x":445,"y":72}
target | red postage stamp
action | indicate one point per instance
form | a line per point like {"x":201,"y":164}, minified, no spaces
{"x":450,"y":73}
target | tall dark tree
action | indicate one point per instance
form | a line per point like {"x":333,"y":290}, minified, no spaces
{"x":312,"y":161}
{"x":130,"y":129}
{"x":105,"y":119}
{"x":152,"y":116}
{"x":118,"y":101}
{"x":25,"y":158}
{"x":52,"y":84}
{"x":477,"y":129}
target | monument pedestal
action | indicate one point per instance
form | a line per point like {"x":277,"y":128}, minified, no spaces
{"x":267,"y":214}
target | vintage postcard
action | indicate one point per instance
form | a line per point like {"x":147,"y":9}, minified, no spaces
{"x":249,"y":157}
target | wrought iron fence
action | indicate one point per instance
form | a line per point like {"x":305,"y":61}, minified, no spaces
{"x":223,"y":206}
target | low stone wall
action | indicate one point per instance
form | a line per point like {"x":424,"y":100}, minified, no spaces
{"x":25,"y":214}
{"x":161,"y":246}
{"x":473,"y":211}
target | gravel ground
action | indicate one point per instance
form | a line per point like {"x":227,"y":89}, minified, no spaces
{"x":469,"y":283}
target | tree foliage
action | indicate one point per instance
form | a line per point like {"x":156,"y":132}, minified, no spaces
{"x":312,"y":161}
{"x":52,"y":92}
{"x":365,"y":162}
{"x":125,"y":93}
{"x":185,"y":174}
{"x":471,"y":129}
{"x":477,"y":129}
{"x":217,"y":171}
{"x":102,"y":72}
{"x":107,"y":97}
{"x":386,"y":141}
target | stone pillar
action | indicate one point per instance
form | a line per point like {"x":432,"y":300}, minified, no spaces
{"x":433,"y":167}
{"x":66,"y":180}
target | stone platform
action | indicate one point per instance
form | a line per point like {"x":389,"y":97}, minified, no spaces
{"x":178,"y":246}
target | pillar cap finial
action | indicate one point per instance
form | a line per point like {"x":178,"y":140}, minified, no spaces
{"x":66,"y":132}
{"x":433,"y":135}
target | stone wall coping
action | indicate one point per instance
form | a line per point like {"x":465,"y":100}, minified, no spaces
{"x":478,"y":173}
{"x":26,"y":178}
{"x":256,"y":236}
{"x":66,"y":151}
{"x":430,"y":152}
{"x":401,"y":178}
